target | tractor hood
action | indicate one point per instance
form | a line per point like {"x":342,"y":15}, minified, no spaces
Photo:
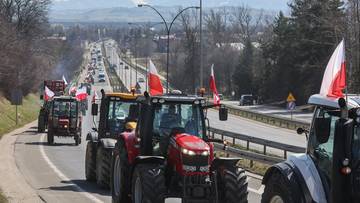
{"x":190,"y":142}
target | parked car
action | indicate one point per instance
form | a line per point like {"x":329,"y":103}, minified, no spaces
{"x":247,"y":99}
{"x":141,"y":80}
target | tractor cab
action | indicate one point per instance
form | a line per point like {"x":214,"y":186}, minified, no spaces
{"x":334,"y":146}
{"x":64,"y":119}
{"x":116,"y":109}
{"x":329,"y":171}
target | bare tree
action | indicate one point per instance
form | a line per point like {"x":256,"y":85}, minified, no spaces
{"x":245,"y":23}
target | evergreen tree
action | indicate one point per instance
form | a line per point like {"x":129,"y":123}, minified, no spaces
{"x":243,"y":73}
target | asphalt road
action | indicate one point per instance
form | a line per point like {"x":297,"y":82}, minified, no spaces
{"x":57,"y":172}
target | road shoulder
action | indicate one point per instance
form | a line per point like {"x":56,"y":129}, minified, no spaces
{"x":12,"y":182}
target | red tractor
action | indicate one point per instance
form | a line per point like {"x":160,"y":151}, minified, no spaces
{"x":169,"y":154}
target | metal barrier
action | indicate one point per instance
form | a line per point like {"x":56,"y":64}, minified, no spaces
{"x":268,"y":119}
{"x":254,"y":154}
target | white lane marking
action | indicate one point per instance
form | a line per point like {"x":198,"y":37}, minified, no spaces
{"x":64,"y":177}
{"x":259,"y":191}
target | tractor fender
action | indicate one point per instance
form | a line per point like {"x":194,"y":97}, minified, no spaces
{"x":307,"y":170}
{"x":224,"y":161}
{"x":290,"y":170}
{"x":149,"y":159}
{"x":93,"y":137}
{"x":108,"y":143}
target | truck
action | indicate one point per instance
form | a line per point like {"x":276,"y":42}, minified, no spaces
{"x":56,"y":86}
{"x":64,"y":119}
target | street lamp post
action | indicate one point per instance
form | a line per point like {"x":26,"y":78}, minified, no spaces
{"x":168,"y":30}
{"x":201,"y":48}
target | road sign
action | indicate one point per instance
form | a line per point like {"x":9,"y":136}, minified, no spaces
{"x":16,"y":97}
{"x":291,"y":106}
{"x":290,"y":98}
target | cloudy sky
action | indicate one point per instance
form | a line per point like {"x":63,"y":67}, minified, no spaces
{"x":93,"y":4}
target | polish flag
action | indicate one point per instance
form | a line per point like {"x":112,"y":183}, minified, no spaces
{"x":48,"y":94}
{"x":155,"y":86}
{"x":213,"y":86}
{"x":95,"y":97}
{"x":72,"y":90}
{"x":64,"y":79}
{"x":334,"y":81}
{"x":81,"y":94}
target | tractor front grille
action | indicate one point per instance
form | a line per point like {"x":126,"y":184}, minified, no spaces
{"x":196,"y":160}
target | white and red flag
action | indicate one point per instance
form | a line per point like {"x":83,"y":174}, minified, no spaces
{"x":81,"y":94}
{"x":155,"y":86}
{"x":72,"y":90}
{"x":213,"y":87}
{"x":334,"y":80}
{"x":64,"y":79}
{"x":48,"y":94}
{"x":95,"y":97}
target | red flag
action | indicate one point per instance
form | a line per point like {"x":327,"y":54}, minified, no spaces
{"x":334,"y":80}
{"x":213,"y":86}
{"x":155,"y":86}
{"x":81,"y":94}
{"x":48,"y":94}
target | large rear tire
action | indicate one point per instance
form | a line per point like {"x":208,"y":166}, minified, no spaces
{"x":103,"y":164}
{"x":233,"y":186}
{"x":148,"y":184}
{"x":41,"y":124}
{"x":90,"y":161}
{"x":279,"y":190}
{"x":50,"y":137}
{"x":120,"y":187}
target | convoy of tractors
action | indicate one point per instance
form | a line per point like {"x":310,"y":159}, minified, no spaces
{"x":148,"y":148}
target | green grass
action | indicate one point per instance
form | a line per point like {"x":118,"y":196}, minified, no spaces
{"x":28,"y":112}
{"x":2,"y":198}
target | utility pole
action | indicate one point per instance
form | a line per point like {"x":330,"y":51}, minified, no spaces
{"x":201,"y":48}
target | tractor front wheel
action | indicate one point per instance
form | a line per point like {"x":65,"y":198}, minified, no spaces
{"x":279,"y":190}
{"x":119,"y":185}
{"x":148,"y":184}
{"x":233,"y":185}
{"x":50,"y":137}
{"x":90,"y":161}
{"x":103,"y":164}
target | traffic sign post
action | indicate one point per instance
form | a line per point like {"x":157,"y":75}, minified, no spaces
{"x":16,"y":99}
{"x":291,"y":105}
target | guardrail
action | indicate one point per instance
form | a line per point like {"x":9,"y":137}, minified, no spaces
{"x":268,"y":119}
{"x":250,"y":153}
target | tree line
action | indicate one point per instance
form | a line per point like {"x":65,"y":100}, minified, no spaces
{"x":28,"y":56}
{"x":260,"y":53}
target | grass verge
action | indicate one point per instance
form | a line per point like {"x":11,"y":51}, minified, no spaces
{"x":2,"y":198}
{"x":27,"y":113}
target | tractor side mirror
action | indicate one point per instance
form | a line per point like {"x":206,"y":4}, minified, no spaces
{"x":41,"y":97}
{"x":322,"y":129}
{"x":223,"y":113}
{"x":94,"y":109}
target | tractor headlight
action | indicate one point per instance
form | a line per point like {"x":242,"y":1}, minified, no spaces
{"x":188,"y":152}
{"x":161,"y":101}
{"x":205,"y":153}
{"x":155,"y":101}
{"x":65,"y":126}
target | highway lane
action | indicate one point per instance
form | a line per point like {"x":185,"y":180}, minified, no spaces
{"x":57,"y":172}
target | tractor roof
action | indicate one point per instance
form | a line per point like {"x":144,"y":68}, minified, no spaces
{"x":320,"y":100}
{"x":64,"y":98}
{"x":181,"y":98}
{"x":127,"y":96}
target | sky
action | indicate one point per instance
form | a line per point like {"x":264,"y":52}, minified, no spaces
{"x":94,"y":4}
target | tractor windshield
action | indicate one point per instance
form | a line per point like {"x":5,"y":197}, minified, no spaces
{"x":117,"y":114}
{"x":65,"y":109}
{"x":185,"y":117}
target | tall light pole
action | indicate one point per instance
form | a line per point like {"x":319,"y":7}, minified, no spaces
{"x":168,"y":30}
{"x":201,"y":48}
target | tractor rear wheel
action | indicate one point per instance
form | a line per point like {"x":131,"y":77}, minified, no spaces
{"x":120,"y":188}
{"x":148,"y":184}
{"x":41,"y":124}
{"x":233,"y":185}
{"x":50,"y":137}
{"x":90,"y":161}
{"x":103,"y":164}
{"x":279,"y":190}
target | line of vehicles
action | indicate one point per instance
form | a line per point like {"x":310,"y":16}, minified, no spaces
{"x":149,"y":148}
